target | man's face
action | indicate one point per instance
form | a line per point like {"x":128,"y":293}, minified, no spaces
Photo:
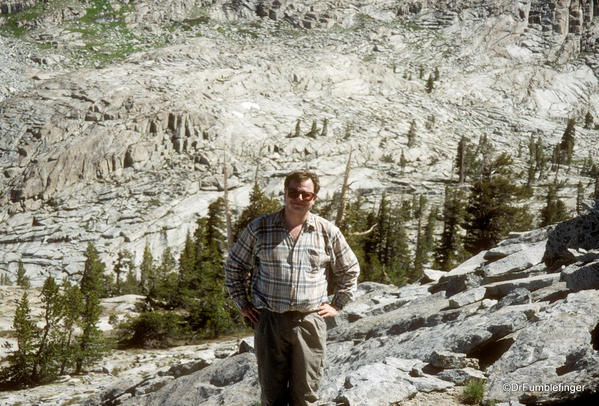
{"x":299,"y":204}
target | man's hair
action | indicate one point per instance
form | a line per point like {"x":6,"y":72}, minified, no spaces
{"x":301,"y":175}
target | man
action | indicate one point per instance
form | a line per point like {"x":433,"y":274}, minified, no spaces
{"x":285,"y":255}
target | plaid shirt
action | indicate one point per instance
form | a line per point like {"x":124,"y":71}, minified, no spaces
{"x":287,"y":275}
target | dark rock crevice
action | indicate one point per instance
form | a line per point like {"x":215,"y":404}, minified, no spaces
{"x":595,"y":338}
{"x":490,"y":352}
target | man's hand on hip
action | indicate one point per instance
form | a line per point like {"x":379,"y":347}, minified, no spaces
{"x":327,"y":310}
{"x":251,"y":312}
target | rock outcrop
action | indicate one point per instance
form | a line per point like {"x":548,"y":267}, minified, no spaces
{"x":537,"y":344}
{"x":16,"y":6}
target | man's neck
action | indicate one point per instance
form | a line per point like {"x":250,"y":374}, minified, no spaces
{"x":292,"y":220}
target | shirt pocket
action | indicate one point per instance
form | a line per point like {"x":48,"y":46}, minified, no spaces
{"x":318,"y":259}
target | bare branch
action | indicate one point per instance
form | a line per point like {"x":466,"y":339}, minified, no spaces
{"x":364,"y":232}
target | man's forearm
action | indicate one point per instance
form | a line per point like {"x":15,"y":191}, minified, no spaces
{"x":346,"y":285}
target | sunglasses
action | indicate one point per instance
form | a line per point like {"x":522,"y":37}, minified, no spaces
{"x":294,"y":194}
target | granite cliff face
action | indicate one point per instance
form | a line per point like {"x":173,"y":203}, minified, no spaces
{"x":132,"y":151}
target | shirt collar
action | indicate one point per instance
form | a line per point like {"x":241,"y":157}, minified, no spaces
{"x":310,"y":223}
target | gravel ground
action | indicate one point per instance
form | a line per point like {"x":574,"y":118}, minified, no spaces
{"x":15,"y":58}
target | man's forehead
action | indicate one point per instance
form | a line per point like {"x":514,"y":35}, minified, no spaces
{"x":305,"y":185}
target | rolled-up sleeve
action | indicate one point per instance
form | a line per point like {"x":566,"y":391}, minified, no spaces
{"x":346,"y":270}
{"x":239,"y":266}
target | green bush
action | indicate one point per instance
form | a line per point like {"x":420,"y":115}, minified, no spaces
{"x":150,"y":330}
{"x":473,"y":392}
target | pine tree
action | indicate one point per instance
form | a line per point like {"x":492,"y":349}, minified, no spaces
{"x":325,"y":125}
{"x":430,"y":84}
{"x":130,"y":286}
{"x":313,"y":133}
{"x":210,"y":309}
{"x":90,"y":346}
{"x":166,"y":278}
{"x":124,"y":264}
{"x":449,"y":250}
{"x":6,"y":281}
{"x":387,"y":248}
{"x":21,"y":361}
{"x":215,"y":236}
{"x":492,"y":209}
{"x":146,"y":271}
{"x":430,"y":122}
{"x":540,"y":159}
{"x":588,"y":167}
{"x":579,"y":198}
{"x":187,"y":262}
{"x":22,"y":278}
{"x":412,"y":134}
{"x":259,"y":205}
{"x":588,"y":120}
{"x":419,"y":254}
{"x":530,"y":179}
{"x":566,"y":145}
{"x":436,"y":76}
{"x":45,"y":367}
{"x":460,"y":160}
{"x":73,"y":309}
{"x":298,"y":130}
{"x":402,"y":162}
{"x":429,"y":232}
{"x":555,"y":209}
{"x":531,"y":148}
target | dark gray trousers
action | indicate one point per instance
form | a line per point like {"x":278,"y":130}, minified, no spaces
{"x":290,"y":349}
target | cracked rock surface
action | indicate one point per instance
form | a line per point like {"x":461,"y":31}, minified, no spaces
{"x":127,"y":151}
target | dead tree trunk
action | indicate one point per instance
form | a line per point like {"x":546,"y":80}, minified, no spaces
{"x":227,"y":208}
{"x":341,"y":211}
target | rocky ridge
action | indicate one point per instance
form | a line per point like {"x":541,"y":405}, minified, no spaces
{"x":507,"y":316}
{"x":129,"y":152}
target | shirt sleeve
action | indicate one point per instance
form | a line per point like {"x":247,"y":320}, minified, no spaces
{"x":239,"y":266}
{"x":345,"y":269}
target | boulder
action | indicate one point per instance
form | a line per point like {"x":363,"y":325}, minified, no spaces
{"x":151,"y":385}
{"x":246,"y":345}
{"x":186,"y":368}
{"x":516,"y":262}
{"x":467,"y":297}
{"x":579,"y":232}
{"x":544,"y":353}
{"x":237,"y":374}
{"x":431,"y":275}
{"x":451,"y":360}
{"x":375,"y":384}
{"x":461,"y":277}
{"x":516,"y":242}
{"x":500,"y":289}
{"x":461,"y":376}
{"x":515,"y":297}
{"x":581,"y":277}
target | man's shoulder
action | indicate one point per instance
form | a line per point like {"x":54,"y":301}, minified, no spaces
{"x":265,"y":220}
{"x":327,"y":226}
